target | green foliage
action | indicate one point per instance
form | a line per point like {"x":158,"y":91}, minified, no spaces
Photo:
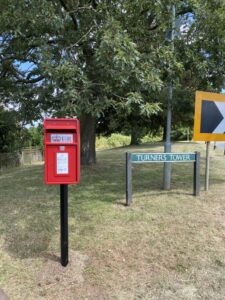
{"x":12,"y":135}
{"x":36,"y":136}
{"x":182,"y":134}
{"x":150,"y":138}
{"x":113,"y":141}
{"x":116,"y":140}
{"x":110,"y":59}
{"x":135,"y":104}
{"x":83,"y":61}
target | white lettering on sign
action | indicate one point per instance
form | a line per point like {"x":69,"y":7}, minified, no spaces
{"x":179,"y":157}
{"x":162,"y":157}
{"x":62,"y":163}
{"x":61,"y":138}
{"x":151,"y":157}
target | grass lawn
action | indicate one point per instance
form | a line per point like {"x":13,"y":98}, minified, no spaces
{"x":166,"y":245}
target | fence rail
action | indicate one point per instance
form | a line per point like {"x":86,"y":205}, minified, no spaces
{"x":9,"y":160}
{"x":29,"y":155}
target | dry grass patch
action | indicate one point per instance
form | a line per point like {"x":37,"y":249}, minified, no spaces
{"x":167,"y":245}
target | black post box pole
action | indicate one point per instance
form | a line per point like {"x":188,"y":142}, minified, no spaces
{"x":64,"y":223}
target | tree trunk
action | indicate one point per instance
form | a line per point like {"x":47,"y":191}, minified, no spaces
{"x":88,"y":136}
{"x":134,"y":137}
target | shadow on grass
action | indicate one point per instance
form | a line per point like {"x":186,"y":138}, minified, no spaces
{"x":52,"y":257}
{"x":106,"y":181}
{"x":28,"y":212}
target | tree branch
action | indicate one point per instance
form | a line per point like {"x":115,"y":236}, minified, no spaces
{"x":94,"y":4}
{"x":70,"y":13}
{"x":78,"y":42}
{"x":185,"y":10}
{"x":27,"y":81}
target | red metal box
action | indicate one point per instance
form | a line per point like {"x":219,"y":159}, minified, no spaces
{"x":62,"y":151}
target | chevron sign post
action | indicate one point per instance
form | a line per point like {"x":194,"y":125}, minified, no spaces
{"x":209,"y":123}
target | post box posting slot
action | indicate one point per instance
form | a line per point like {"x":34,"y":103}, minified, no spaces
{"x":62,"y":151}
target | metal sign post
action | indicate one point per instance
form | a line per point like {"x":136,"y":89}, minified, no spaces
{"x":207,"y":167}
{"x":196,"y":183}
{"x":167,"y":145}
{"x":64,"y":223}
{"x":128,"y":179}
{"x":139,"y":158}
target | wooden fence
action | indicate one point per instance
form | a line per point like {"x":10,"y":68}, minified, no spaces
{"x":31,"y":155}
{"x":9,"y":160}
{"x":28,"y":155}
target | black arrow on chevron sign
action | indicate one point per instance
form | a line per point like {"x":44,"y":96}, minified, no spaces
{"x":212,"y":115}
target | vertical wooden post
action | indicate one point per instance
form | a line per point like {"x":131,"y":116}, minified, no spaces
{"x":128,"y":179}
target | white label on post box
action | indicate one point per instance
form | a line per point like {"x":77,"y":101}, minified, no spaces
{"x":62,"y":163}
{"x":61,"y":138}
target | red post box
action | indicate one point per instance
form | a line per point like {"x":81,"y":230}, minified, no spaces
{"x":62,"y":151}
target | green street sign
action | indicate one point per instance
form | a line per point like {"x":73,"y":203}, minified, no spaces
{"x":162,"y":157}
{"x":139,"y":158}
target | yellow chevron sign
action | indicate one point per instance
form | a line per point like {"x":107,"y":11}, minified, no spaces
{"x":209,"y":121}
